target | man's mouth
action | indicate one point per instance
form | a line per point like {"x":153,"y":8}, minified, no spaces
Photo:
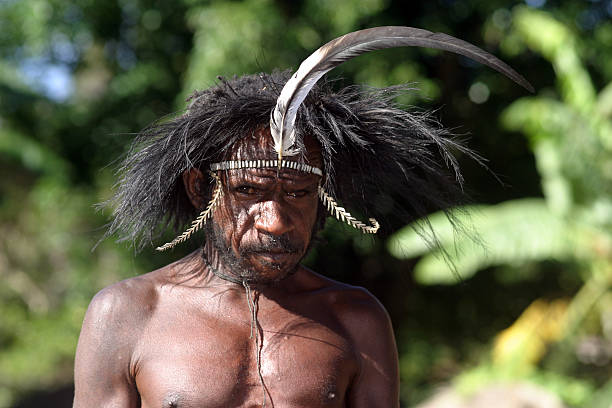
{"x":274,"y":256}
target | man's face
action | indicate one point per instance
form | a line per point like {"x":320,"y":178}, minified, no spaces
{"x":265,"y":220}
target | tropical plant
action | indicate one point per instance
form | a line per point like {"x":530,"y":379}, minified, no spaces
{"x":569,"y":131}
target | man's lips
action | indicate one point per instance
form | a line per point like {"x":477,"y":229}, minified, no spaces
{"x":276,"y":256}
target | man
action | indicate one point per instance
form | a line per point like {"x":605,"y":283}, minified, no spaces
{"x":240,"y":322}
{"x":181,"y":336}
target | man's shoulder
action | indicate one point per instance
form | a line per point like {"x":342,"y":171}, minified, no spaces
{"x":367,"y":324}
{"x":132,"y":300}
{"x":136,"y":296}
{"x":125,"y":300}
{"x":113,"y":325}
{"x":350,"y":301}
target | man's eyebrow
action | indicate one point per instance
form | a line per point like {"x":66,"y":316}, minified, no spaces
{"x":272,"y":175}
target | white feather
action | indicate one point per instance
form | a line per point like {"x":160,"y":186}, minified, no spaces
{"x":335,"y":52}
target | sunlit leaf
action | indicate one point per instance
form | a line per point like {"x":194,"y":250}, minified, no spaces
{"x":557,"y":43}
{"x":524,"y":343}
{"x":511,"y":233}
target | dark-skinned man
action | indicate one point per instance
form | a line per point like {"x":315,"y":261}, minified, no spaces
{"x":181,"y":336}
{"x":258,"y":161}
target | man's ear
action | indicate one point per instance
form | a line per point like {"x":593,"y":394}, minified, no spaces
{"x":194,"y":182}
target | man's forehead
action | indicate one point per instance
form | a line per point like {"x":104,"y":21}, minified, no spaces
{"x":259,"y":145}
{"x":272,"y":175}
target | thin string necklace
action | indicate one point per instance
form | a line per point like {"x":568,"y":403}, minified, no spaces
{"x":256,"y":330}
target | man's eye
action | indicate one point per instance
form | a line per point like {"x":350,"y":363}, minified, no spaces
{"x":298,"y":193}
{"x":246,"y":190}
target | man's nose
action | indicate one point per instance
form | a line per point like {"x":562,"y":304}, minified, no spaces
{"x":273,"y":218}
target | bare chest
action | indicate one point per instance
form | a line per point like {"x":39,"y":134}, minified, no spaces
{"x":213,"y":361}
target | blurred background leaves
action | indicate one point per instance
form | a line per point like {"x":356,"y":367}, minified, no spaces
{"x":526,"y":298}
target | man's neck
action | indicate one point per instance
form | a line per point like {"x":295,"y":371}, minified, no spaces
{"x":213,"y":262}
{"x":218,"y":270}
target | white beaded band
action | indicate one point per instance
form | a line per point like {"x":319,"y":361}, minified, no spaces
{"x":262,"y":164}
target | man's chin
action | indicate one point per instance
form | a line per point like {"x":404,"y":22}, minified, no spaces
{"x":271,"y":267}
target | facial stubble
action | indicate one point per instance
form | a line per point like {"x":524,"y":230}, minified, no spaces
{"x":239,"y":270}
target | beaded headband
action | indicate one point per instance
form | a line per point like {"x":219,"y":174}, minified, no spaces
{"x":328,"y":202}
{"x":261,"y":164}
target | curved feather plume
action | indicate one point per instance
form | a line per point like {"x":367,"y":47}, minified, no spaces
{"x":342,"y":49}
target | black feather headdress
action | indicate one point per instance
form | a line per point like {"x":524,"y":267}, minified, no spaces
{"x":370,"y":146}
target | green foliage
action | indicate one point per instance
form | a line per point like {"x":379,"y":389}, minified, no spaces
{"x":511,"y":233}
{"x":31,"y":155}
{"x":569,"y":132}
{"x":49,"y":274}
{"x":602,"y":398}
{"x":569,"y":141}
{"x":571,"y":390}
